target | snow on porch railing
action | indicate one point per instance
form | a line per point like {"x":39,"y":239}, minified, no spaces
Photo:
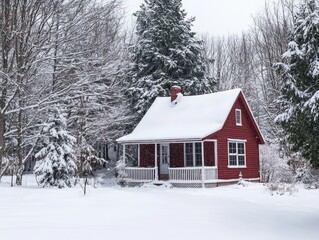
{"x":210,"y":173}
{"x":137,"y":174}
{"x":185,"y":174}
{"x":191,"y":174}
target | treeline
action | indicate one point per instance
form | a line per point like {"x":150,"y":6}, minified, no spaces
{"x":76,"y":58}
{"x":59,"y":54}
{"x":248,"y":61}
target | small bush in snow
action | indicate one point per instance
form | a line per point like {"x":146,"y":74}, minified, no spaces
{"x":281,"y":188}
{"x":274,"y":168}
{"x":98,"y":180}
{"x":307,"y":177}
{"x":243,"y":183}
{"x":121,"y":175}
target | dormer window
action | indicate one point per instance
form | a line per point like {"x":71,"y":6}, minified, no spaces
{"x":238,"y":117}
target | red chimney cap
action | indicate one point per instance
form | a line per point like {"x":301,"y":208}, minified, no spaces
{"x":175,"y":86}
{"x":174,"y":91}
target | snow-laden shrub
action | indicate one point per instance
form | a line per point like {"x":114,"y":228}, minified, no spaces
{"x":121,"y":175}
{"x":309,"y":178}
{"x":7,"y":165}
{"x":98,"y":180}
{"x":281,"y":188}
{"x":243,"y":183}
{"x":274,"y":168}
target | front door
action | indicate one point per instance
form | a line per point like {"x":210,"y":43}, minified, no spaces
{"x":164,"y":158}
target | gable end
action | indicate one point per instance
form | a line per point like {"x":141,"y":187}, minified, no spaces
{"x":240,"y":104}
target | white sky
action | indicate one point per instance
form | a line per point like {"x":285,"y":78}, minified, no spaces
{"x":216,"y":17}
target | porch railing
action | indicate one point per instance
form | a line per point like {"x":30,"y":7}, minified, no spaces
{"x":137,"y":174}
{"x":183,"y":174}
{"x":192,"y":174}
{"x":210,"y":173}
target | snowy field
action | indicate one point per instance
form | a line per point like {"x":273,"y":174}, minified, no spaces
{"x":232,"y":212}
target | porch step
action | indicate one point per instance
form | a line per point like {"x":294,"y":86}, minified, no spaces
{"x":157,"y":184}
{"x":164,"y":177}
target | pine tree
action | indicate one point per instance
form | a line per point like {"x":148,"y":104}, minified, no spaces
{"x":56,"y":162}
{"x":166,"y":53}
{"x":300,"y":94}
{"x":88,"y":161}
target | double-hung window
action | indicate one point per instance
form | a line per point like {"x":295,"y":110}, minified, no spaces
{"x":236,"y":154}
{"x":193,"y":154}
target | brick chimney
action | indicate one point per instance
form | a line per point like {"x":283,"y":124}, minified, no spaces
{"x":174,"y":91}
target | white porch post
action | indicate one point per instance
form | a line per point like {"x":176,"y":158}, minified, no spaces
{"x":155,"y":158}
{"x":203,"y":166}
{"x":124,"y":153}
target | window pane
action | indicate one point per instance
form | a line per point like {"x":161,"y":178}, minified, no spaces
{"x":232,"y":147}
{"x":241,"y":148}
{"x":241,"y":160}
{"x":198,"y":154}
{"x":189,"y":159}
{"x":198,"y":147}
{"x":189,"y":154}
{"x":232,"y":160}
{"x":164,"y":154}
{"x":189,"y":162}
{"x":198,"y":159}
{"x":189,"y":148}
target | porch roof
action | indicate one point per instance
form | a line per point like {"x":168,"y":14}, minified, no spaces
{"x":192,"y":118}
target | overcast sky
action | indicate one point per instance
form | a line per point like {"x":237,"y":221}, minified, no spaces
{"x":216,"y":17}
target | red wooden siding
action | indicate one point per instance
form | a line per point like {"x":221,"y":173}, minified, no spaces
{"x":245,"y":132}
{"x":176,"y":155}
{"x":147,"y":153}
{"x":209,"y":153}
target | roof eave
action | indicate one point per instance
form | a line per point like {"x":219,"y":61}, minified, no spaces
{"x":153,"y":141}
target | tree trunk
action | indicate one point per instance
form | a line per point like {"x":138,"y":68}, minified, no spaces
{"x":5,"y":49}
{"x":85,"y":184}
{"x":2,"y":143}
{"x":20,"y":167}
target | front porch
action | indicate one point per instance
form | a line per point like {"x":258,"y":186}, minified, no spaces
{"x":181,"y":164}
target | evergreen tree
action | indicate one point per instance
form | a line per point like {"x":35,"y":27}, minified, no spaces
{"x":88,"y":161}
{"x":166,"y":53}
{"x":300,"y":94}
{"x":56,"y":162}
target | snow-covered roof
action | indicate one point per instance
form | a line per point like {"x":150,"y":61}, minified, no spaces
{"x":192,"y":118}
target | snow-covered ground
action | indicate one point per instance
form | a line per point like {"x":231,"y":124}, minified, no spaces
{"x":232,"y":212}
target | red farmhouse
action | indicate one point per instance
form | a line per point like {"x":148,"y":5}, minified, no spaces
{"x":196,"y":140}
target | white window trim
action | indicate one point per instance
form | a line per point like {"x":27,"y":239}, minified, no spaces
{"x":194,"y":153}
{"x":236,"y":140}
{"x":241,"y":122}
{"x":228,"y":154}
